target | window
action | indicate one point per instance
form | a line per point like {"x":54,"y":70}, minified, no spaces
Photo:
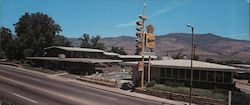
{"x":196,"y":74}
{"x":169,"y":72}
{"x":175,"y":73}
{"x":188,"y":74}
{"x":162,"y":73}
{"x":219,"y":76}
{"x":211,"y":75}
{"x":227,"y":77}
{"x":182,"y":73}
{"x":203,"y":75}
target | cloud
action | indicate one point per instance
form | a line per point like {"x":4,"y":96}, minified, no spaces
{"x":169,"y":7}
{"x":131,"y":23}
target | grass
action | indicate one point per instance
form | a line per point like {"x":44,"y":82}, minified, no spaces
{"x":28,"y":66}
{"x":215,"y":93}
{"x":48,"y":71}
{"x":6,"y":102}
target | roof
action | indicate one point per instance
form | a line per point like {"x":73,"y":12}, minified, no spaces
{"x":111,"y":53}
{"x":75,"y":49}
{"x":184,"y":63}
{"x":83,"y":60}
{"x":136,"y":56}
{"x":101,"y":51}
{"x":241,"y":65}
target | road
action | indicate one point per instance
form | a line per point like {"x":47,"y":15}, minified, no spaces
{"x":26,"y":88}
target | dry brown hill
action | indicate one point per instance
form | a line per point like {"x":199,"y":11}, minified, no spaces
{"x":207,"y":45}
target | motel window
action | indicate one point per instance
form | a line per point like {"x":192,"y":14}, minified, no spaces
{"x":188,"y":74}
{"x":227,"y":77}
{"x":175,"y":73}
{"x":182,"y":73}
{"x":196,"y":74}
{"x":163,"y":72}
{"x":169,"y":72}
{"x":211,"y":76}
{"x":219,"y":76}
{"x":203,"y":75}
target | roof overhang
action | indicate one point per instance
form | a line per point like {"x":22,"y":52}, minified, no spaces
{"x":217,"y":67}
{"x":80,"y":60}
{"x":75,"y":49}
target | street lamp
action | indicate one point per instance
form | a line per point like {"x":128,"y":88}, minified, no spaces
{"x":191,"y":69}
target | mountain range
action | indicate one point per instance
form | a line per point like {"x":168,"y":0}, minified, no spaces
{"x":206,"y":45}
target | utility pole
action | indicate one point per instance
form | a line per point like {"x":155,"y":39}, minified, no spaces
{"x":143,"y":45}
{"x":141,"y":42}
{"x":144,"y":40}
{"x":194,"y":52}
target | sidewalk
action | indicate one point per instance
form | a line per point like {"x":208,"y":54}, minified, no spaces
{"x":99,"y":87}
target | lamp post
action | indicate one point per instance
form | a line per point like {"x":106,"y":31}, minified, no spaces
{"x":191,"y":68}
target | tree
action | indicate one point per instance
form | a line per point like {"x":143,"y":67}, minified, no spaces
{"x":14,"y":50}
{"x":118,"y":50}
{"x":60,"y":40}
{"x":5,"y":38}
{"x":94,"y":42}
{"x":211,"y":60}
{"x":35,"y":32}
{"x":85,"y":41}
{"x":196,"y":57}
{"x":179,"y":56}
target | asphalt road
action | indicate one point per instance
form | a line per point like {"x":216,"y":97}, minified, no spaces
{"x":25,"y":88}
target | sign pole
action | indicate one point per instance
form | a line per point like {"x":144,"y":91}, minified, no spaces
{"x":143,"y":44}
{"x":149,"y":59}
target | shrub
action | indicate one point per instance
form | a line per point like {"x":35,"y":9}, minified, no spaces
{"x":151,"y":84}
{"x":6,"y":102}
{"x":168,"y":83}
{"x":173,"y":84}
{"x":240,"y":98}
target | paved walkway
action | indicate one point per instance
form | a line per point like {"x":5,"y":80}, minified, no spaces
{"x":244,"y":88}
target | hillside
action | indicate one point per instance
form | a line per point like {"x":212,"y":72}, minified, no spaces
{"x":207,"y":45}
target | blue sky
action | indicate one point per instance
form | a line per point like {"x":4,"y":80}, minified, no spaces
{"x":110,"y":18}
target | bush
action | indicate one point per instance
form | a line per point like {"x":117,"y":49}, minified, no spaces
{"x":151,"y":84}
{"x":6,"y":102}
{"x":240,"y":98}
{"x":173,"y":84}
{"x":186,"y":90}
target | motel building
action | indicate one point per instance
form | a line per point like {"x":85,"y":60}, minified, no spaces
{"x":205,"y":75}
{"x":79,"y":60}
{"x":86,"y":61}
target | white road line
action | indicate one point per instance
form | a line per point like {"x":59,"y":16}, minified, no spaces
{"x":24,"y":97}
{"x":53,"y":93}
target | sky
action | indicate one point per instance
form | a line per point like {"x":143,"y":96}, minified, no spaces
{"x":112,"y":18}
